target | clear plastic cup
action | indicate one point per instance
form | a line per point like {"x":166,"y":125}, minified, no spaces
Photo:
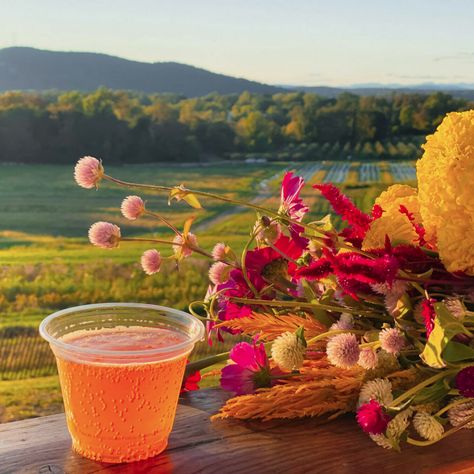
{"x":121,"y":367}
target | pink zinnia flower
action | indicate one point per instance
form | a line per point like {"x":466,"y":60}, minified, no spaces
{"x":392,"y":340}
{"x":104,"y":235}
{"x":371,"y":418}
{"x":292,"y":205}
{"x":151,"y":261}
{"x":218,"y":252}
{"x":266,"y":264}
{"x":465,"y":382}
{"x":250,"y":371}
{"x":186,"y":249}
{"x":219,"y":273}
{"x":343,"y":350}
{"x":88,"y":172}
{"x":132,"y":207}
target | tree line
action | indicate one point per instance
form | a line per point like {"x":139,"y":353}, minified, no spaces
{"x":127,"y":127}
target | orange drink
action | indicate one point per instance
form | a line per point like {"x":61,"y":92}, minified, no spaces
{"x":120,"y":368}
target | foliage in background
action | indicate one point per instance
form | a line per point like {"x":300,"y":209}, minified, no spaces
{"x":136,"y":128}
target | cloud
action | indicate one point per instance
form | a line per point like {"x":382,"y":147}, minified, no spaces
{"x":463,"y":56}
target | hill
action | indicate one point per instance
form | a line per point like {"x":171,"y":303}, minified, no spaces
{"x":33,"y":69}
{"x":384,"y":90}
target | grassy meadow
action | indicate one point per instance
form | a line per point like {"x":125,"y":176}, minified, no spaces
{"x":46,"y":262}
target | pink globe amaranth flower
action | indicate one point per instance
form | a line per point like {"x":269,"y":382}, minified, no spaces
{"x":372,"y":418}
{"x":219,"y":273}
{"x":392,"y":340}
{"x":368,"y":359}
{"x":88,"y":172}
{"x":132,"y":207}
{"x":104,"y":235}
{"x":219,"y":251}
{"x":151,"y":261}
{"x":343,"y":350}
{"x":465,"y":382}
{"x":185,"y":250}
{"x":250,"y":371}
{"x":267,"y":231}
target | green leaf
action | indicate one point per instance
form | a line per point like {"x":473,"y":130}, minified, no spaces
{"x":300,"y":335}
{"x":445,"y":328}
{"x":455,"y":352}
{"x":432,"y":393}
{"x":181,"y":194}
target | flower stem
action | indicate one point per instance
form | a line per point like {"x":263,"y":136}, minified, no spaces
{"x":298,"y":304}
{"x":206,"y":362}
{"x":406,"y":395}
{"x":327,"y":334}
{"x":211,"y":196}
{"x":451,"y":431}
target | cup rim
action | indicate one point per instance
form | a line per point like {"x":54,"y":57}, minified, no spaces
{"x":117,"y":353}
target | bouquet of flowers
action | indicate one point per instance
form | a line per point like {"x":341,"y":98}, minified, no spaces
{"x":376,"y":317}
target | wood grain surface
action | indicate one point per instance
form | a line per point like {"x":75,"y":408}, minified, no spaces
{"x":42,"y":445}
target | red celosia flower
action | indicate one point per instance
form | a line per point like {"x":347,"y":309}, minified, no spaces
{"x":429,"y":314}
{"x":420,"y":231}
{"x":351,"y":265}
{"x":191,"y":382}
{"x":372,"y":418}
{"x":358,"y":221}
{"x":317,"y":270}
{"x":250,"y":371}
{"x":465,"y":382}
{"x":292,"y":206}
{"x":377,"y":211}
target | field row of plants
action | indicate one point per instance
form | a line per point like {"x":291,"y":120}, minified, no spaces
{"x":402,"y":149}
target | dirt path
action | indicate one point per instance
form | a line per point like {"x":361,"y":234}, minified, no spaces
{"x":264,"y":191}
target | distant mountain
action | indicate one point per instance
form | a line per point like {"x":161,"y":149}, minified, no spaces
{"x":464,"y":91}
{"x":34,"y":69}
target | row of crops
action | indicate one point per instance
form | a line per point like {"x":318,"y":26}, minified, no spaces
{"x":353,"y":173}
{"x":403,"y":149}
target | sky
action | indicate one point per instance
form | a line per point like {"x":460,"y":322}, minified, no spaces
{"x":299,"y":42}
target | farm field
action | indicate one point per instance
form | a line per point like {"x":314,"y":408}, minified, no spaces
{"x":46,"y":262}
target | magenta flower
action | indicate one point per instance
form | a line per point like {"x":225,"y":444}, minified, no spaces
{"x":151,"y":261}
{"x":186,"y":249}
{"x":104,"y":235}
{"x":267,"y":265}
{"x":250,"y":371}
{"x":88,"y":172}
{"x":132,"y":207}
{"x":292,"y":206}
{"x":372,"y":418}
{"x":465,"y":382}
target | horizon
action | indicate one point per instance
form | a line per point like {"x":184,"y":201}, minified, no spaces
{"x":370,"y":85}
{"x":304,"y":44}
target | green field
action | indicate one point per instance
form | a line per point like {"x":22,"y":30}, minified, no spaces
{"x":46,"y":262}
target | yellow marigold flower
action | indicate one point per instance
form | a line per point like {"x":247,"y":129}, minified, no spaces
{"x":445,"y":193}
{"x":393,"y":223}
